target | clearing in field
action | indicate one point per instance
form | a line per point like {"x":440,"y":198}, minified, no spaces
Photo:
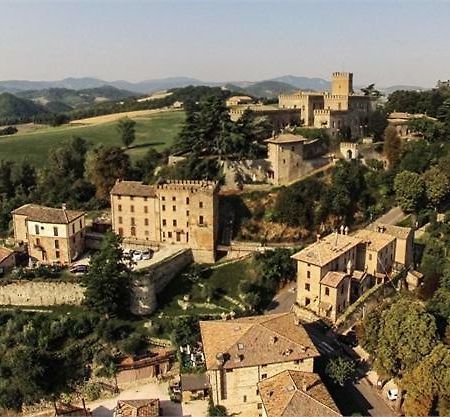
{"x":153,"y":130}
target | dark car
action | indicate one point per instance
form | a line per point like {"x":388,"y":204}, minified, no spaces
{"x":79,"y":269}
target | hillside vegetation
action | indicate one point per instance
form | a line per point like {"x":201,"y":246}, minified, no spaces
{"x":269,"y":89}
{"x":16,"y":110}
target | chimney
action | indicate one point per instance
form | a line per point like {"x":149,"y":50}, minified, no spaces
{"x":64,"y":206}
{"x":305,"y":385}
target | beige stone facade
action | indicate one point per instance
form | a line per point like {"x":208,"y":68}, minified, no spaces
{"x":337,"y":111}
{"x":51,"y":235}
{"x":183,"y":213}
{"x":336,"y":270}
{"x":401,"y":121}
{"x":243,"y":352}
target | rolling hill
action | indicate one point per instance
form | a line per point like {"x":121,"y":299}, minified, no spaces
{"x":15,"y":109}
{"x":263,"y":89}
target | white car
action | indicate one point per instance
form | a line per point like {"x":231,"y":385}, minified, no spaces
{"x":147,"y":254}
{"x":137,"y":256}
{"x":392,"y":394}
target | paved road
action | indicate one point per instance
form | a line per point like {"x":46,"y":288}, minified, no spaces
{"x":283,"y":300}
{"x":393,"y":216}
{"x":378,"y":407}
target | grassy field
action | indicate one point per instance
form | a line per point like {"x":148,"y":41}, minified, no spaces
{"x":154,"y":130}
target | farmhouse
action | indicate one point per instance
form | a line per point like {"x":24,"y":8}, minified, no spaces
{"x":51,"y":235}
{"x":243,"y":352}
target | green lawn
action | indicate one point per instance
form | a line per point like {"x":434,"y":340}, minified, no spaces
{"x":156,"y":130}
{"x":225,"y":280}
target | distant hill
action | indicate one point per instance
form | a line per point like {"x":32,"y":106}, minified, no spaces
{"x":304,"y":83}
{"x":263,"y":89}
{"x":15,"y":110}
{"x":389,"y":90}
{"x":69,"y":99}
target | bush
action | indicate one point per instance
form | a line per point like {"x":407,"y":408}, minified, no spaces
{"x":134,"y":344}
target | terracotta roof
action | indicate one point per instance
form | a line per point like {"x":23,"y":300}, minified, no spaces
{"x":194,"y":382}
{"x":375,"y":241}
{"x":286,"y":138}
{"x":296,"y":394}
{"x":44,"y":214}
{"x":327,"y":249}
{"x":390,"y":229}
{"x":5,"y":253}
{"x":333,"y":278}
{"x":133,"y":188}
{"x":252,"y":341}
{"x":144,"y":408}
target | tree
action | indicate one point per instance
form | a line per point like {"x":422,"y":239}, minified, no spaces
{"x":126,"y":128}
{"x":104,"y":166}
{"x":431,"y":130}
{"x":407,"y":334}
{"x":392,"y":146}
{"x":436,"y":186}
{"x":371,"y":91}
{"x":145,"y":167}
{"x":409,"y":190}
{"x":340,"y":370}
{"x":377,"y":123}
{"x":108,"y":280}
{"x":428,"y":385}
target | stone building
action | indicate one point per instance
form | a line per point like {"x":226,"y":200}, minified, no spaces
{"x":336,"y":270}
{"x":237,"y":100}
{"x":7,"y":260}
{"x":241,"y":353}
{"x":183,"y":213}
{"x":280,"y":118}
{"x":291,"y":156}
{"x":51,"y":235}
{"x":338,"y":111}
{"x":296,"y":394}
{"x":402,"y":123}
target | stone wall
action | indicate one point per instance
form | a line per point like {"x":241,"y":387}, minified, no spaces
{"x":33,"y":293}
{"x":155,"y":279}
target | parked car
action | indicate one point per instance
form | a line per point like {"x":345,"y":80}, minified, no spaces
{"x":147,"y":254}
{"x":392,"y":394}
{"x":79,"y":269}
{"x":137,"y":255}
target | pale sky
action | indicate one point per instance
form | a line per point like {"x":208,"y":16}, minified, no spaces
{"x":386,"y":42}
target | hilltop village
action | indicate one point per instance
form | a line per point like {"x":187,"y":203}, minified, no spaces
{"x":279,"y":259}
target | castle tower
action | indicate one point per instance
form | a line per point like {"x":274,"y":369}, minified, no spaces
{"x":342,"y":83}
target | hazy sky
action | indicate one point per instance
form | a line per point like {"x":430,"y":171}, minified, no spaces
{"x":386,"y":42}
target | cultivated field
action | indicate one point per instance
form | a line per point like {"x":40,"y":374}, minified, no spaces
{"x":153,"y":130}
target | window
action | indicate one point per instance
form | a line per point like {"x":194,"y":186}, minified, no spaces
{"x":132,"y":221}
{"x":307,"y":301}
{"x":119,"y":207}
{"x":133,"y":231}
{"x":145,"y":198}
{"x":370,"y":256}
{"x":73,"y":228}
{"x":120,"y":231}
{"x":308,"y":274}
{"x":178,"y":237}
{"x":174,"y":198}
{"x":163,"y":198}
{"x":174,"y":208}
{"x":132,"y":208}
{"x":36,"y":229}
{"x":200,"y":205}
{"x":307,"y":287}
{"x":292,"y":148}
{"x":131,"y":198}
{"x":244,"y":398}
{"x":163,"y":207}
{"x":146,"y":222}
{"x":164,"y":234}
{"x":263,"y":376}
{"x":120,"y":220}
{"x":284,"y":161}
{"x":259,"y":406}
{"x":119,"y":197}
{"x":297,"y":362}
{"x":174,"y":222}
{"x":164,"y":222}
{"x":169,"y":234}
{"x":187,"y":200}
{"x":200,"y":220}
{"x":57,"y":254}
{"x":56,"y":244}
{"x":187,"y":237}
{"x":55,"y":231}
{"x":187,"y":213}
{"x":145,"y":209}
{"x":81,"y":224}
{"x":327,"y":291}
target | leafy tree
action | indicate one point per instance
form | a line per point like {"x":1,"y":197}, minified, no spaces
{"x":428,"y":385}
{"x":6,"y":181}
{"x":104,"y":166}
{"x":431,"y":130}
{"x":371,"y":91}
{"x":436,"y":186}
{"x":409,"y":190}
{"x":145,"y":167}
{"x":392,"y":146}
{"x":418,"y":156}
{"x":193,"y":167}
{"x":126,"y":129}
{"x":377,"y":123}
{"x":371,"y":330}
{"x":407,"y":334}
{"x":186,"y":331}
{"x":108,"y":279}
{"x":340,"y":370}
